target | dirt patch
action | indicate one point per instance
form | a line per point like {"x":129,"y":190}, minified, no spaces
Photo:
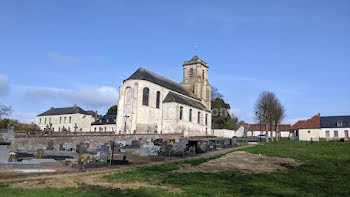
{"x":96,"y":182}
{"x":242,"y":161}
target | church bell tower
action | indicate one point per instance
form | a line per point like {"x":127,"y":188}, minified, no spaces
{"x":195,"y":77}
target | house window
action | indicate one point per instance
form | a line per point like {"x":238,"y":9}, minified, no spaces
{"x":64,"y":120}
{"x":206,"y":119}
{"x":190,"y":116}
{"x":39,"y":120}
{"x":327,"y":133}
{"x":202,"y":74}
{"x":107,"y":120}
{"x":346,"y":134}
{"x":335,"y":133}
{"x":158,"y":100}
{"x":199,"y":117}
{"x":191,"y":72}
{"x":181,"y":110}
{"x":70,"y":119}
{"x":60,"y":120}
{"x":145,"y":96}
{"x":339,"y":123}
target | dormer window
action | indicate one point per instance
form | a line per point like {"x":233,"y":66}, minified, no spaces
{"x":339,"y":123}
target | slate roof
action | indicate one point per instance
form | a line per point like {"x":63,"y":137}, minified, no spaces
{"x":106,"y":119}
{"x":256,"y":127}
{"x":64,"y":110}
{"x":173,"y":97}
{"x":331,"y":121}
{"x":196,"y":60}
{"x":143,"y":74}
{"x":312,"y":123}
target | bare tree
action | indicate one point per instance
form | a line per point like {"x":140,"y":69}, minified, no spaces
{"x":264,"y":110}
{"x":5,"y":111}
{"x":279,"y":114}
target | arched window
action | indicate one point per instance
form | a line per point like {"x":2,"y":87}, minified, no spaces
{"x":95,"y":129}
{"x":199,"y":118}
{"x":158,"y":100}
{"x":145,"y":96}
{"x":60,"y":120}
{"x":39,"y":120}
{"x":206,"y":119}
{"x":64,"y":120}
{"x":45,"y":120}
{"x":190,"y":116}
{"x":70,"y":119}
{"x":191,"y":72}
{"x":181,"y":110}
{"x":202,"y":74}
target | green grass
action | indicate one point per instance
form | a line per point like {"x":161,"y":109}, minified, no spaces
{"x":325,"y":171}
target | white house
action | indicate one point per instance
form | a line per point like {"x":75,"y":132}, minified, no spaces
{"x":322,"y":128}
{"x":68,"y":118}
{"x":253,"y":130}
{"x":106,"y":123}
{"x":149,"y":103}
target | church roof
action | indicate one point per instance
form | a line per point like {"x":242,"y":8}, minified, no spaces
{"x":65,"y":110}
{"x":196,"y":60}
{"x":173,"y":97}
{"x":147,"y":75}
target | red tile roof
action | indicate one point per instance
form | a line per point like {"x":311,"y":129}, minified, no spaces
{"x":312,"y":123}
{"x":256,"y":127}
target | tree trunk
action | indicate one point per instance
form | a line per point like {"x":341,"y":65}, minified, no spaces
{"x":277,"y":133}
{"x":271,"y":130}
{"x":267,"y":132}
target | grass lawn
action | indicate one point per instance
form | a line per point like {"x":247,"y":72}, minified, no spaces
{"x":325,"y":172}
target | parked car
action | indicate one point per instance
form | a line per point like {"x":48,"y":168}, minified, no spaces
{"x":262,"y":137}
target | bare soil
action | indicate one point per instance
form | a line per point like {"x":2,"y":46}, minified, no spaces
{"x":242,"y":161}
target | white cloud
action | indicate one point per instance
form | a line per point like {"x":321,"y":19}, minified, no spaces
{"x":4,"y":85}
{"x":23,"y":117}
{"x":88,"y":96}
{"x":62,"y":60}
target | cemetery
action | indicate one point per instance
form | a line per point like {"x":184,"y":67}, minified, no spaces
{"x":58,"y":157}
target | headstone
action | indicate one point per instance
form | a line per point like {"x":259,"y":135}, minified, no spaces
{"x":4,"y":153}
{"x":39,"y":153}
{"x":50,"y":145}
{"x":135,"y":144}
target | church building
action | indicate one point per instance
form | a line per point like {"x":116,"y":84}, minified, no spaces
{"x":149,"y":103}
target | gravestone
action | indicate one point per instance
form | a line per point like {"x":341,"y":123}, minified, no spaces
{"x":50,"y":145}
{"x":135,"y":144}
{"x":4,"y":153}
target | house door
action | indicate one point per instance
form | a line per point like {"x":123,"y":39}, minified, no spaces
{"x":346,"y":134}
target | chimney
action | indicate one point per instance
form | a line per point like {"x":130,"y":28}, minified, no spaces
{"x":95,"y":115}
{"x":319,"y":114}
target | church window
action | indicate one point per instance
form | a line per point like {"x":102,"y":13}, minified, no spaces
{"x":191,"y":72}
{"x":145,"y":96}
{"x":45,"y":120}
{"x":199,"y":117}
{"x":105,"y":128}
{"x":64,"y":120}
{"x":70,"y":119}
{"x":206,"y":119}
{"x":190,"y":116}
{"x":158,"y":100}
{"x":202,"y":74}
{"x":49,"y":120}
{"x":95,"y":129}
{"x":39,"y":120}
{"x":181,"y":110}
{"x":60,"y":120}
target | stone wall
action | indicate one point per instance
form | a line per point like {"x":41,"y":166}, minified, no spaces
{"x":26,"y":142}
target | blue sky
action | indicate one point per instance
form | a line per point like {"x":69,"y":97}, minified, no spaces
{"x":60,"y":53}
